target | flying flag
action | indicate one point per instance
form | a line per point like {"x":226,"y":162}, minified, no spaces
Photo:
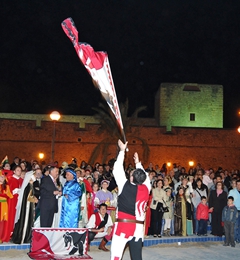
{"x":5,"y":160}
{"x":97,"y":65}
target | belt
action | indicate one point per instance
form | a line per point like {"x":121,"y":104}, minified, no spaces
{"x":129,"y":220}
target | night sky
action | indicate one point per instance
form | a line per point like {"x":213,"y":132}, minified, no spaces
{"x":148,"y":42}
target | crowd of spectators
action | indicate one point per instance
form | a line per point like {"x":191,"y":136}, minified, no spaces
{"x":181,"y":202}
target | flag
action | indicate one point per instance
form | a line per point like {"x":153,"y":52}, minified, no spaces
{"x":97,"y":65}
{"x":59,"y":243}
{"x":5,"y":160}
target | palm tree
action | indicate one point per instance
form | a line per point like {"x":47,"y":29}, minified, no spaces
{"x":109,"y":124}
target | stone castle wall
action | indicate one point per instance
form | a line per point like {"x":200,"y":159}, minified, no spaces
{"x":211,"y":147}
{"x":177,"y":101}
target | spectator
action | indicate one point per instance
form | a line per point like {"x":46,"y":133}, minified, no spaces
{"x":5,"y":195}
{"x":199,"y":190}
{"x":83,"y":213}
{"x":104,"y":195}
{"x":180,"y":213}
{"x":202,"y":216}
{"x":168,"y":216}
{"x":188,"y":190}
{"x":95,"y":188}
{"x":207,"y":180}
{"x":218,"y":178}
{"x":15,"y":183}
{"x":229,"y":218}
{"x":158,"y":195}
{"x":217,"y":201}
{"x":24,"y":217}
{"x":235,"y":193}
{"x":96,"y":177}
{"x":233,"y":184}
{"x":15,"y":163}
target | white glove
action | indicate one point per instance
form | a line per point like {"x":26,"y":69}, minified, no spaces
{"x":16,"y":191}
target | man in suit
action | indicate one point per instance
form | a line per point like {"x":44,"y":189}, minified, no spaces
{"x":49,"y":193}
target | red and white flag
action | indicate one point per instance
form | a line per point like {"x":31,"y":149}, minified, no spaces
{"x":59,"y":244}
{"x":97,"y":65}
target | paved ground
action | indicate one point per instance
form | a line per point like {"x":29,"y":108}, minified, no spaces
{"x":186,"y":251}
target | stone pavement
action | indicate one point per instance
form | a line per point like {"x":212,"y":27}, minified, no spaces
{"x":186,"y":251}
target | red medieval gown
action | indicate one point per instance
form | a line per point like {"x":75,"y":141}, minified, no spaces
{"x":148,"y":215}
{"x":13,"y":183}
{"x":5,"y":194}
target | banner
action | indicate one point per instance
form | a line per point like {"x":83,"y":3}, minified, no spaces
{"x":5,"y":160}
{"x":97,"y":65}
{"x":59,"y":243}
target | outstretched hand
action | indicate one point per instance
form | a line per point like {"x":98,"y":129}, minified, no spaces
{"x":136,"y":157}
{"x":121,"y":145}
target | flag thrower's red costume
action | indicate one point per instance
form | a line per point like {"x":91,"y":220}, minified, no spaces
{"x":132,"y":200}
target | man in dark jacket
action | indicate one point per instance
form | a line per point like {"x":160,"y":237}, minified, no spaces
{"x":48,"y":203}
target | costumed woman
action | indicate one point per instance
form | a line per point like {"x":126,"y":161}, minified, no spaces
{"x":15,"y":182}
{"x":70,"y":201}
{"x":24,"y":218}
{"x":104,"y":195}
{"x":180,"y":213}
{"x":5,"y":195}
{"x":83,"y":212}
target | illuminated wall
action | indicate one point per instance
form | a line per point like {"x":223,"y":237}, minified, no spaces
{"x":27,"y":135}
{"x":190,"y":105}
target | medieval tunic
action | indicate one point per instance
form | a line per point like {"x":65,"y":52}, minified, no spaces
{"x":83,"y":212}
{"x":14,"y":183}
{"x":5,"y":194}
{"x":94,"y":222}
{"x":23,"y":227}
{"x":103,"y":196}
{"x":132,"y":201}
{"x":70,"y":204}
{"x":180,"y":216}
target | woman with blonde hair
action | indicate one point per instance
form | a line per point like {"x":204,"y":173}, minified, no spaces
{"x":167,"y":182}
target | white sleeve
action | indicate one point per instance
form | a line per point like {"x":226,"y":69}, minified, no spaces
{"x":118,"y":171}
{"x":91,"y":222}
{"x":83,"y":201}
{"x":190,"y":187}
{"x":96,"y":201}
{"x":109,"y":222}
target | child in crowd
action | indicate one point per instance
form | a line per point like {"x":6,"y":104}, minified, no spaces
{"x":229,"y":218}
{"x":180,"y":213}
{"x":89,"y":204}
{"x":202,"y":216}
{"x":168,"y":216}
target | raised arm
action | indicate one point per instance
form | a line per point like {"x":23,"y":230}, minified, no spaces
{"x":139,"y":166}
{"x":118,"y":170}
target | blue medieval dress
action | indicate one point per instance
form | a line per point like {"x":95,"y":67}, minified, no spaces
{"x":70,"y":204}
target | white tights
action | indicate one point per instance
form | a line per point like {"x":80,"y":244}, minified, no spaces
{"x":167,"y":224}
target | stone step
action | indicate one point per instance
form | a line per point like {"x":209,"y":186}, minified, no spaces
{"x":147,"y":241}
